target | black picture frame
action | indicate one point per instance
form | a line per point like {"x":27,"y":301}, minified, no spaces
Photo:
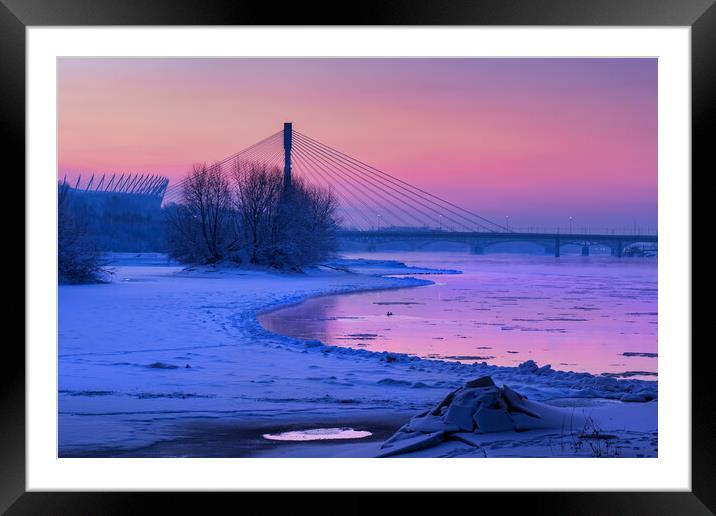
{"x":16,"y":15}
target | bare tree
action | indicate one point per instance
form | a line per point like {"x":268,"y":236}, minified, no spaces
{"x":258,"y":189}
{"x":185,"y":242}
{"x":207,"y":199}
{"x":79,"y":259}
{"x":306,"y":231}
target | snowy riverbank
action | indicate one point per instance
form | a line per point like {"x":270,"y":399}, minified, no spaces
{"x":165,"y":362}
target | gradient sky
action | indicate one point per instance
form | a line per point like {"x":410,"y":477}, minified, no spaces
{"x":538,"y":140}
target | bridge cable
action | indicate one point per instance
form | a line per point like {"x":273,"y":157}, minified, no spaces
{"x":248,"y":151}
{"x":300,"y":166}
{"x":406,"y":194}
{"x":365,"y":187}
{"x":352,"y":194}
{"x":391,"y":177}
{"x":254,"y":150}
{"x":318,"y":168}
{"x":414,"y":197}
{"x":345,"y":171}
{"x":403,"y":193}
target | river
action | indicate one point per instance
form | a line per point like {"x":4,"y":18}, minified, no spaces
{"x":593,"y":314}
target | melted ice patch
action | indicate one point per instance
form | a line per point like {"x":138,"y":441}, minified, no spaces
{"x":318,"y":434}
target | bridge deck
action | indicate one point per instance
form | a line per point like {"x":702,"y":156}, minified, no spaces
{"x":496,"y":235}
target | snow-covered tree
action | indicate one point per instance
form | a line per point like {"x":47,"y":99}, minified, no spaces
{"x":199,"y":228}
{"x":258,"y":193}
{"x":250,"y":217}
{"x":79,"y":259}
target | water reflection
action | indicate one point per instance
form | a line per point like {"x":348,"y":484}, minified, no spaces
{"x":582,"y":314}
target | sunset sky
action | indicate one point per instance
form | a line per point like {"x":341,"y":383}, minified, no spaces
{"x":538,"y":140}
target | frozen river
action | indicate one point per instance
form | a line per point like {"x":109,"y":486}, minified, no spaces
{"x":593,"y":314}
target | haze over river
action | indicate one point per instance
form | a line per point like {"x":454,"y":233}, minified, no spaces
{"x":594,"y":314}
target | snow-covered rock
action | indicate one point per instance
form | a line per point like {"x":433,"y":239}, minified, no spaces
{"x":479,"y":407}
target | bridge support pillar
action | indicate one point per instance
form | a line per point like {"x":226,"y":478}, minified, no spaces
{"x":585,"y":250}
{"x":556,"y":247}
{"x":618,"y":250}
{"x":371,"y":248}
{"x":477,"y":249}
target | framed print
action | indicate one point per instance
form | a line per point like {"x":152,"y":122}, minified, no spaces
{"x":442,"y":248}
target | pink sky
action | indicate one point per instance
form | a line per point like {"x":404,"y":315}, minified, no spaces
{"x":538,"y":140}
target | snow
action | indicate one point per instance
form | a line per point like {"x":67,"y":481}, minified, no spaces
{"x":163,"y":361}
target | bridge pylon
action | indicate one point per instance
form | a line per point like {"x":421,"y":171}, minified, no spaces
{"x":287,"y":145}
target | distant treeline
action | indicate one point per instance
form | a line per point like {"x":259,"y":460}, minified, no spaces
{"x":131,"y":232}
{"x":120,"y":221}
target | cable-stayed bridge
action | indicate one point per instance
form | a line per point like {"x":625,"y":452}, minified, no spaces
{"x":377,"y":207}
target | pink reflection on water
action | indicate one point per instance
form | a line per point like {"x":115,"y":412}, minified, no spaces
{"x":575,"y":313}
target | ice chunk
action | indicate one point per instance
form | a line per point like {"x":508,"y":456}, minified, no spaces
{"x":481,"y":407}
{"x":461,"y":416}
{"x":444,"y":403}
{"x":636,"y":397}
{"x":431,"y":424}
{"x":413,"y":443}
{"x":485,"y":381}
{"x":493,"y":420}
{"x":530,"y":366}
{"x":468,"y":438}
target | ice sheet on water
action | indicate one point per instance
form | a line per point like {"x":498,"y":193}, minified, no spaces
{"x":318,"y":434}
